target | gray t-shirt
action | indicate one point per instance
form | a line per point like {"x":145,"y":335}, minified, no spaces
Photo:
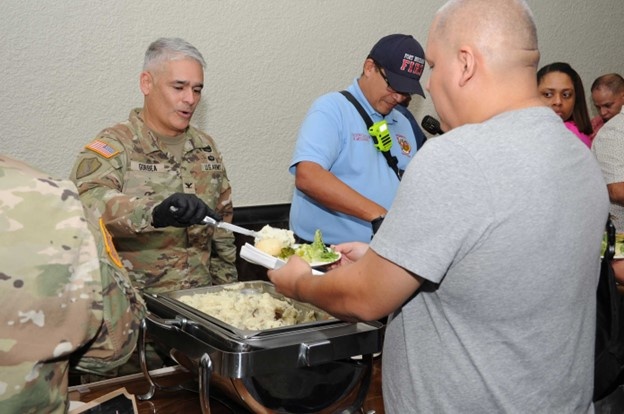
{"x":504,"y":220}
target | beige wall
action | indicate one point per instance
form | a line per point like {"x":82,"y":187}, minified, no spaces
{"x":71,"y":68}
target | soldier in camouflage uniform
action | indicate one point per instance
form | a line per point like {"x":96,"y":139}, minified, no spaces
{"x":61,"y":306}
{"x":134,"y":172}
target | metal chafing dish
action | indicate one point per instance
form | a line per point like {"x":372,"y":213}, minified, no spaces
{"x":303,"y":368}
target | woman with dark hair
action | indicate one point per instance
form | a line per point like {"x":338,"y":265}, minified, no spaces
{"x":561,"y":88}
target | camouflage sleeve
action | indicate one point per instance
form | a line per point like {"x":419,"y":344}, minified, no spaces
{"x":99,"y":176}
{"x":123,"y":310}
{"x":50,"y":287}
{"x":223,"y":256}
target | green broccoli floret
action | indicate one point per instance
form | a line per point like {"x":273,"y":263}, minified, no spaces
{"x":317,"y":251}
{"x":286,"y":252}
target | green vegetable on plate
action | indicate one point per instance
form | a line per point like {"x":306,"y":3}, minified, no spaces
{"x":316,"y":252}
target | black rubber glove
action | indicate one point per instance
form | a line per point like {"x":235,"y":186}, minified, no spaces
{"x":188,"y":209}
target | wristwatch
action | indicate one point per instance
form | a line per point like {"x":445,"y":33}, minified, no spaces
{"x":376,"y":223}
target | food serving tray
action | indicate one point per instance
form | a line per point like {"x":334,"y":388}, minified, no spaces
{"x":237,"y":352}
{"x":246,"y":288}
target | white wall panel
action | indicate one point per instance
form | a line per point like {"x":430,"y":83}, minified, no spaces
{"x":70,"y":68}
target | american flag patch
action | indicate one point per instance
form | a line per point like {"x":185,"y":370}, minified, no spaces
{"x":102,"y":148}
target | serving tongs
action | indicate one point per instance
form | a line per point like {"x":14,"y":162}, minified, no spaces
{"x":224,"y":225}
{"x":229,"y":226}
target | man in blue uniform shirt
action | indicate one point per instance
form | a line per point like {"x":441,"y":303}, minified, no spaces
{"x":344,"y":183}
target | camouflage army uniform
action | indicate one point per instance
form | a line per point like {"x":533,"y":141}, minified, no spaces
{"x":124,"y":173}
{"x":60,"y":305}
{"x":123,"y":309}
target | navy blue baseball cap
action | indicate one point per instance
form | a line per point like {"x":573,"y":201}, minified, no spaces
{"x":403,"y":60}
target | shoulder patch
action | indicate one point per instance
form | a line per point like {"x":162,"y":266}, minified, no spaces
{"x":102,"y":148}
{"x":87,"y":166}
{"x":109,"y":246}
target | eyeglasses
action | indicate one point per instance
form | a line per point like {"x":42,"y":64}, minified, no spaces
{"x":388,"y":87}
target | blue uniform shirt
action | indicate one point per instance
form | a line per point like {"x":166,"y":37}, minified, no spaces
{"x":420,"y":136}
{"x":335,"y":136}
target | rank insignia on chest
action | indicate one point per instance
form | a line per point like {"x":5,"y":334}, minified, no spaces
{"x":102,"y":148}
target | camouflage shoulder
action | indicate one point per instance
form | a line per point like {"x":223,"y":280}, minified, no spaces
{"x":7,"y":162}
{"x":107,"y":149}
{"x":104,"y":148}
{"x":112,"y":141}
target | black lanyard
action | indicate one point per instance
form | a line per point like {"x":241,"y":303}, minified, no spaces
{"x":392,"y":161}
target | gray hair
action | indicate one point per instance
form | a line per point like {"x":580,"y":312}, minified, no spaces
{"x":170,"y":48}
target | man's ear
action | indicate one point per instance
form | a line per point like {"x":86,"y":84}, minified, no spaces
{"x":146,"y":82}
{"x":468,"y":65}
{"x":369,"y":65}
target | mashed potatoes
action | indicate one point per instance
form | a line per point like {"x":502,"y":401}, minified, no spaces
{"x":271,"y":240}
{"x":253,"y":311}
{"x":270,"y":246}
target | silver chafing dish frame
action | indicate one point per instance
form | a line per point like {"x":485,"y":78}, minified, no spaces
{"x":222,"y":350}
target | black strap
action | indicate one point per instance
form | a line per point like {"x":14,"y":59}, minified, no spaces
{"x":609,"y":345}
{"x":390,"y":159}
